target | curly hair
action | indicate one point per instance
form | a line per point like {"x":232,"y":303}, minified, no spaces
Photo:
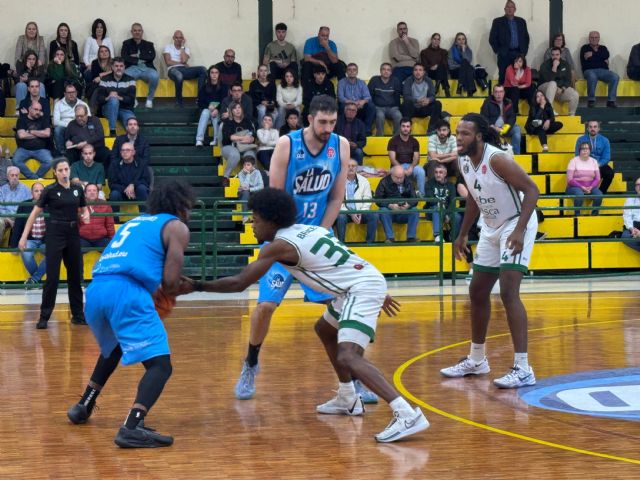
{"x":275,"y":206}
{"x":482,"y":127}
{"x":173,"y":197}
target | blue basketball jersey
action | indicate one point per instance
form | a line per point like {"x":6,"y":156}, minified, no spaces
{"x":310,"y":177}
{"x":137,"y":251}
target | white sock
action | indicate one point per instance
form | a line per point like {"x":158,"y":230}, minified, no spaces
{"x":401,"y":406}
{"x":347,"y":391}
{"x":477,"y":352}
{"x":521,"y":360}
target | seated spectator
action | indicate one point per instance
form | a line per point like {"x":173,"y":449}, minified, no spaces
{"x":5,"y":162}
{"x":138,"y":55}
{"x":28,"y":69}
{"x":354,"y":130}
{"x":92,"y":44}
{"x":320,"y":85}
{"x":442,"y":150}
{"x":140,"y":143}
{"x":357,"y":188}
{"x":230,"y":71}
{"x":238,"y":137}
{"x":83,"y":130}
{"x":583,"y":178}
{"x":34,"y":88}
{"x":116,"y":95}
{"x":404,"y":151}
{"x":600,"y":150}
{"x":541,"y":120}
{"x":594,"y":59}
{"x":33,"y":134}
{"x":63,"y":113}
{"x":633,"y":65}
{"x":385,"y":91}
{"x":404,"y":53}
{"x":176,"y":57}
{"x":60,"y":72}
{"x":88,"y":171}
{"x":292,"y":122}
{"x":565,"y":54}
{"x":100,"y":68}
{"x":500,"y":114}
{"x":288,"y":95}
{"x":395,"y":186}
{"x":210,"y":97}
{"x":518,"y":84}
{"x":263,"y":95}
{"x":320,"y":50}
{"x":35,"y":238}
{"x":439,"y":187}
{"x":280,"y":55}
{"x":13,"y":191}
{"x":631,"y":219}
{"x":352,"y":89}
{"x":555,"y":81}
{"x":436,"y":63}
{"x":31,"y":40}
{"x":128,"y":178}
{"x":461,"y":67}
{"x":267,"y":139}
{"x":64,"y":42}
{"x":420,"y":98}
{"x":250,"y":179}
{"x":100,"y":229}
{"x":236,"y":95}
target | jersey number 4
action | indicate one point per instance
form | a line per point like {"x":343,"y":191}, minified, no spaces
{"x":477,"y":186}
{"x":123,"y":233}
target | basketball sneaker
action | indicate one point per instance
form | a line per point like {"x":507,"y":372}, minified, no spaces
{"x":80,"y":413}
{"x":466,"y":366}
{"x":401,"y":427}
{"x":516,"y":377}
{"x":367,"y":395}
{"x":246,"y":386}
{"x":341,"y":406}
{"x":141,"y":437}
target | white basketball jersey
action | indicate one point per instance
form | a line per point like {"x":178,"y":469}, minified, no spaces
{"x":498,"y":201}
{"x":326,"y":264}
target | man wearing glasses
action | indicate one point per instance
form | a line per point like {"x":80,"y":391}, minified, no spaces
{"x":230,"y":71}
{"x":85,"y":130}
{"x":33,"y":131}
{"x":129,"y":179}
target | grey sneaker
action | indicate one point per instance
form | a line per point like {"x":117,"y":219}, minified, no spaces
{"x":367,"y":395}
{"x":341,"y":406}
{"x":466,"y":366}
{"x":401,"y":427}
{"x":516,"y":377}
{"x":246,"y":387}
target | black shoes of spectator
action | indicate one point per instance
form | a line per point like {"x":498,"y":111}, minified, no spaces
{"x":141,"y":437}
{"x":591,"y":103}
{"x":78,"y":320}
{"x":612,"y":105}
{"x":42,"y":323}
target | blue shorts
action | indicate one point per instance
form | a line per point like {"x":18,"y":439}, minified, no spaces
{"x":120,"y":311}
{"x":276,"y":282}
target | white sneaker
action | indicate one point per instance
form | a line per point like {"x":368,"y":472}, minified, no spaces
{"x":401,"y":427}
{"x":199,"y":143}
{"x":466,"y":366}
{"x":516,"y":378}
{"x":213,"y":142}
{"x":340,"y":406}
{"x":148,"y":104}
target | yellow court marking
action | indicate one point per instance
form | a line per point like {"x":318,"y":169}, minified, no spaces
{"x":397,"y":380}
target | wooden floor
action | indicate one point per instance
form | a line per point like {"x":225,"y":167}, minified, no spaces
{"x":479,"y":432}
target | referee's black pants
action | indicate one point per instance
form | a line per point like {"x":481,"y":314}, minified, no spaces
{"x":62,"y":244}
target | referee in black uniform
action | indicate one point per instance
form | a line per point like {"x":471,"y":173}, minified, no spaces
{"x":63,"y":202}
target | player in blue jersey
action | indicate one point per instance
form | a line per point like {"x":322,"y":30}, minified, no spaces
{"x":145,"y":254}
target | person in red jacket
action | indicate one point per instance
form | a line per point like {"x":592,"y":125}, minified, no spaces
{"x":100,"y":230}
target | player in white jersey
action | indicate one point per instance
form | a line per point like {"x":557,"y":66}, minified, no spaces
{"x":317,"y":259}
{"x":505,"y":197}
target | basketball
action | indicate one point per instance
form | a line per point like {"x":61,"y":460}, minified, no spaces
{"x":164,"y":303}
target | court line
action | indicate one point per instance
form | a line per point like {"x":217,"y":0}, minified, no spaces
{"x":397,"y":380}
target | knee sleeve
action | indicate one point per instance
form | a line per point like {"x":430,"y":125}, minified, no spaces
{"x":153,"y":381}
{"x":106,"y":366}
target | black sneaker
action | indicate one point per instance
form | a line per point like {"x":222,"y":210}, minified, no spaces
{"x":42,"y":324}
{"x":80,"y":413}
{"x":591,"y":103}
{"x":78,"y":320}
{"x":141,"y":437}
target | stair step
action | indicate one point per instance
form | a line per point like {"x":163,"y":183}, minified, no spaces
{"x":190,"y":151}
{"x":182,"y":170}
{"x":162,"y":139}
{"x":196,"y":180}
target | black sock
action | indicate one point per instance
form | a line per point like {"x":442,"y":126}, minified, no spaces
{"x":89,"y":397}
{"x":133,"y":419}
{"x":252,"y":354}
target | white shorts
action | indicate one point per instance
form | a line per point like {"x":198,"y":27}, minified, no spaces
{"x":492,"y":254}
{"x":355,"y":314}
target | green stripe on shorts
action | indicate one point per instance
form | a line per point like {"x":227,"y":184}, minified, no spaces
{"x":482,"y":268}
{"x":333,"y":312}
{"x":356,"y":325}
{"x":512,"y":266}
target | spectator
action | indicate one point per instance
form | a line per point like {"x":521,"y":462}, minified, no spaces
{"x":288,"y":95}
{"x":267,"y":139}
{"x":138,"y":55}
{"x":33,"y":133}
{"x":354,"y":130}
{"x":83,"y":130}
{"x":385,"y":90}
{"x":34,"y":87}
{"x":31,"y":40}
{"x":501,"y":116}
{"x":63,"y":113}
{"x":292,"y":122}
{"x":60,"y":72}
{"x":12,"y":192}
{"x":442,"y":150}
{"x":518,"y":83}
{"x":128,"y":178}
{"x":88,"y":171}
{"x":420,"y":98}
{"x":100,"y":68}
{"x":117,"y":94}
{"x":176,"y":56}
{"x":461,"y":67}
{"x":555,"y":80}
{"x":236,"y":95}
{"x":404,"y":150}
{"x":600,"y":150}
{"x":583,"y":177}
{"x":321,"y":85}
{"x":280,"y":55}
{"x":404,"y":52}
{"x":140,"y":143}
{"x":357,"y":188}
{"x":541,"y":120}
{"x":263,"y":95}
{"x":508,"y":38}
{"x":320,"y":50}
{"x":436,"y":63}
{"x":633,"y":65}
{"x":438,"y":187}
{"x":27,"y":69}
{"x":5,"y":163}
{"x":210,"y":97}
{"x":35,"y":238}
{"x":250,"y":179}
{"x":64,"y":41}
{"x":230,"y":71}
{"x":352,"y":89}
{"x":92,"y":44}
{"x":594,"y":59}
{"x":565,"y":54}
{"x":396,"y":186}
{"x":100,"y":229}
{"x":238,"y":137}
{"x":631,"y":218}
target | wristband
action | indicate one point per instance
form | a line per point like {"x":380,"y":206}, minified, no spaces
{"x":198,"y":286}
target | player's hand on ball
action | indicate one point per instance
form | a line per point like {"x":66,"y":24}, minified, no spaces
{"x":164,"y":303}
{"x":390,"y":306}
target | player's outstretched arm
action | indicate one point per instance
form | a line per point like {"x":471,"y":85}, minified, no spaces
{"x":175,"y":237}
{"x":391,"y":306}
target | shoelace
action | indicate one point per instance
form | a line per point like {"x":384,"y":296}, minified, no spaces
{"x":396,"y":417}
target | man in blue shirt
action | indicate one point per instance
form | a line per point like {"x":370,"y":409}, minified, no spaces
{"x":600,"y":150}
{"x":12,"y":192}
{"x":321,"y":51}
{"x":352,"y":89}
